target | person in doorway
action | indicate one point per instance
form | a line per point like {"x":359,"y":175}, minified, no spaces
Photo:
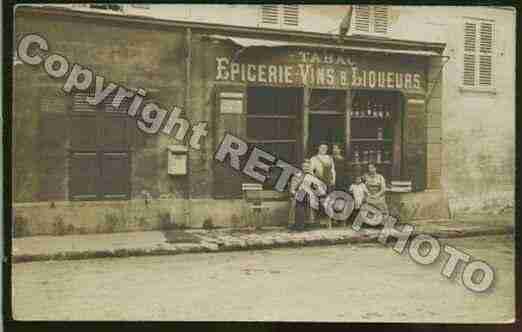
{"x":323,"y":167}
{"x":376,"y":185}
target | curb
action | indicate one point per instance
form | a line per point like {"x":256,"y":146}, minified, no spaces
{"x":241,"y":245}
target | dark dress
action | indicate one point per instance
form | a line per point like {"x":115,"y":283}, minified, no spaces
{"x":341,"y":181}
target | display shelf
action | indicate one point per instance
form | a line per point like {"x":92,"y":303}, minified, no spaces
{"x":384,"y":140}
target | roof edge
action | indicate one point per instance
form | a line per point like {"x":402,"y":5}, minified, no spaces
{"x":230,"y":29}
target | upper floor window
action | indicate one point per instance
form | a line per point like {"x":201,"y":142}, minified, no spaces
{"x":279,"y":16}
{"x":478,"y":53}
{"x":371,"y":19}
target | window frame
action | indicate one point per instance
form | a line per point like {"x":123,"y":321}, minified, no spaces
{"x":477,"y":53}
{"x":372,"y":21}
{"x":294,"y":118}
{"x":101,"y":151}
{"x":282,"y":20}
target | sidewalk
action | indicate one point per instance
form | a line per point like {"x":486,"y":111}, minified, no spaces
{"x":40,"y":248}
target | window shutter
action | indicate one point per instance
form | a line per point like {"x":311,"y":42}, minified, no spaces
{"x":84,"y":133}
{"x":485,"y":68}
{"x":381,"y":19}
{"x":291,"y":15}
{"x":84,"y":175}
{"x":470,"y":42}
{"x":362,"y":18}
{"x":80,"y":103}
{"x":270,"y":14}
{"x":115,"y":175}
{"x":52,"y":155}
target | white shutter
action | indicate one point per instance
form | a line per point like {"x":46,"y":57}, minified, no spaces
{"x":291,"y":15}
{"x":478,"y":54}
{"x":362,"y":18}
{"x":485,"y":51}
{"x":270,"y":14}
{"x":381,"y":19}
{"x":470,"y":43}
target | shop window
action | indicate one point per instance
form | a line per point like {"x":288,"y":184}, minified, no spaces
{"x":375,"y":132}
{"x":272,"y":120}
{"x":371,"y":19}
{"x":99,"y":151}
{"x":280,"y":16}
{"x":478,"y":54}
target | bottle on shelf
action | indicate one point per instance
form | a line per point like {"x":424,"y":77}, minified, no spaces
{"x":381,"y":111}
{"x":369,"y":109}
{"x":356,"y":156}
{"x":387,"y":114}
{"x":379,"y":133}
{"x":379,"y":157}
{"x":365,"y":157}
{"x":387,"y":156}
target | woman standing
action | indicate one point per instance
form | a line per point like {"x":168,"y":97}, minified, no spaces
{"x":322,"y":166}
{"x":376,"y":185}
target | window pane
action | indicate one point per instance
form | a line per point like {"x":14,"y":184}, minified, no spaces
{"x":261,"y":128}
{"x":327,"y":100}
{"x":85,"y":173}
{"x":287,"y":129}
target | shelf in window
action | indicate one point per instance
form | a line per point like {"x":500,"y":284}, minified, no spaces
{"x":370,"y":140}
{"x":326,"y":112}
{"x":369,"y":118}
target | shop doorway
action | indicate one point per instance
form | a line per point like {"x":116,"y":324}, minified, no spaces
{"x":327,"y":119}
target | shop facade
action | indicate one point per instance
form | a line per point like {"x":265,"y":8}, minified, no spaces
{"x":285,"y":93}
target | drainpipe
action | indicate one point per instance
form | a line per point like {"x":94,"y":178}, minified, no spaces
{"x":188,"y":66}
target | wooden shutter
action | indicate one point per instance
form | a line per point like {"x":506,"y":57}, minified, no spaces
{"x":115,"y":175}
{"x":470,"y":42}
{"x":270,"y":14}
{"x":414,"y":168}
{"x":381,"y":19}
{"x":84,"y":175}
{"x":52,"y":156}
{"x":84,"y":133}
{"x":114,"y":133}
{"x":485,"y":53}
{"x":362,"y":18}
{"x":291,"y":15}
{"x":478,"y":54}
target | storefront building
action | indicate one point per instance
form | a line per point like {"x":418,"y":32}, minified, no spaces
{"x":79,"y":169}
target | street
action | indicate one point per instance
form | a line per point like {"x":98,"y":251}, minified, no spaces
{"x":367,"y":283}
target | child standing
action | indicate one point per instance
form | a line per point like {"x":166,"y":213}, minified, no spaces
{"x":359,"y":193}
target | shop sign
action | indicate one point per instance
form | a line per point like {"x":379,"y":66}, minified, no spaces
{"x":319,"y":70}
